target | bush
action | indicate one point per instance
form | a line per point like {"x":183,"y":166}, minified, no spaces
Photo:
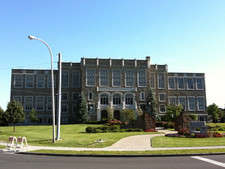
{"x":183,"y":131}
{"x":151,"y":130}
{"x":103,"y":129}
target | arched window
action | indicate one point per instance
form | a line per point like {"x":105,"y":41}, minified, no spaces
{"x":116,"y":99}
{"x":129,"y":99}
{"x":104,"y":99}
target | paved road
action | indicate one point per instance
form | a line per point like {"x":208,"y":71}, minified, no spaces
{"x":16,"y":161}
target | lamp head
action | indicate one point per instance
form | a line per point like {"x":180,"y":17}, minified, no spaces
{"x":31,"y":37}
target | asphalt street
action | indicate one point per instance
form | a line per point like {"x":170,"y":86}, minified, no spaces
{"x":18,"y":161}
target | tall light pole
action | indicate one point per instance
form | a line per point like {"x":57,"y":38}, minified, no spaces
{"x":52,"y":76}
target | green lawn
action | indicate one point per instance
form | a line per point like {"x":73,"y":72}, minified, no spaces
{"x":161,"y":141}
{"x":72,"y":136}
{"x":215,"y":124}
{"x":202,"y":151}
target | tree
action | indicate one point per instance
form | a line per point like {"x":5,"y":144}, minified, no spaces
{"x":32,"y":116}
{"x":14,"y":114}
{"x":172,"y":112}
{"x":151,"y":104}
{"x":110,"y":112}
{"x":2,"y":121}
{"x":82,"y":109}
{"x":213,"y":111}
{"x":127,"y":115}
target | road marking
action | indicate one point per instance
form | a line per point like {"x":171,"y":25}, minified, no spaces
{"x":210,"y":161}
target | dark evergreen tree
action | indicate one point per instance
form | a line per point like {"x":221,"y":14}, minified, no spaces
{"x":14,"y":113}
{"x":82,"y":115}
{"x":151,"y":104}
{"x":32,"y":116}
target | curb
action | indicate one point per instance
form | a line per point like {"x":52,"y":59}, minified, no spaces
{"x":118,"y":155}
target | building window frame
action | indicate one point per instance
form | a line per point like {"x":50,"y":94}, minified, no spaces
{"x":75,"y":78}
{"x":65,"y":78}
{"x":90,"y":77}
{"x":152,"y":80}
{"x":39,"y":103}
{"x":64,"y":96}
{"x":18,"y":81}
{"x":64,"y":108}
{"x":199,"y":84}
{"x":171,"y":83}
{"x":182,"y":101}
{"x":129,"y":78}
{"x":103,"y":77}
{"x":142,"y":96}
{"x":18,"y":99}
{"x":162,"y":97}
{"x":201,"y":103}
{"x":172,"y":100}
{"x":191,"y":103}
{"x":29,"y":81}
{"x":40,"y":81}
{"x":129,"y":99}
{"x":190,"y":83}
{"x":161,"y":80}
{"x":75,"y":96}
{"x":116,"y":77}
{"x":141,"y":76}
{"x":90,"y":95}
{"x":28,"y":103}
{"x":162,"y":108}
{"x":180,"y":83}
{"x":104,"y":99}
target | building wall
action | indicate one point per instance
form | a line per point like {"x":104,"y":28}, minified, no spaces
{"x":98,"y":80}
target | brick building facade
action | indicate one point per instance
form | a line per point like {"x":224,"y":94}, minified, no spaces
{"x":118,"y":83}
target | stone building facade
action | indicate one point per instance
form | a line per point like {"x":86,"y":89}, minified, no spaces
{"x":117,"y":83}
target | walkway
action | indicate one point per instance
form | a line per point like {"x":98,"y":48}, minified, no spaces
{"x":131,"y":143}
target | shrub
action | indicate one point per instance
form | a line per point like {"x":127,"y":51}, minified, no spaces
{"x":151,"y":130}
{"x":114,"y":122}
{"x":183,"y":131}
{"x":216,"y":134}
{"x":103,"y":129}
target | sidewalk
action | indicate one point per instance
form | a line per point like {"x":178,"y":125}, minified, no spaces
{"x":131,"y":143}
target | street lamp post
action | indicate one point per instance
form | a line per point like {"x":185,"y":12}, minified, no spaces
{"x":52,"y":76}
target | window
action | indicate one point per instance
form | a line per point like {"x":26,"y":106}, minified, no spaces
{"x":129,"y":99}
{"x":90,"y":108}
{"x":28,"y":103}
{"x":76,"y":79}
{"x":199,"y":83}
{"x":201,"y":103}
{"x":64,"y":96}
{"x":74,"y":108}
{"x":141,"y":78}
{"x":40,"y":81}
{"x":172,"y":84}
{"x":29,"y":81}
{"x":75,"y":96}
{"x":116,"y":78}
{"x":39,"y":103}
{"x":152,"y":80}
{"x":142,"y":96}
{"x":17,"y":98}
{"x":190,"y":83}
{"x":65,"y":79}
{"x":64,"y":108}
{"x":191,"y":103}
{"x":116,"y":99}
{"x":162,"y":108}
{"x":161,"y":81}
{"x":49,"y":103}
{"x":50,"y":81}
{"x":18,"y":81}
{"x":103,"y":77}
{"x":162,"y":97}
{"x":104,"y":99}
{"x":172,"y":100}
{"x":182,"y":101}
{"x":129,"y":78}
{"x":180,"y":83}
{"x":90,"y":95}
{"x":90,"y":77}
{"x":143,"y":106}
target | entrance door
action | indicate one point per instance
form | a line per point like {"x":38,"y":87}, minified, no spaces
{"x":104,"y":114}
{"x":117,"y":114}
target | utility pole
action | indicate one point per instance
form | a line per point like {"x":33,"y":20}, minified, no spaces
{"x":59,"y":96}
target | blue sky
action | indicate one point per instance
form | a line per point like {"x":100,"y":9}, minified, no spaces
{"x":188,"y":35}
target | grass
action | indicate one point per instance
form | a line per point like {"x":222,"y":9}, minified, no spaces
{"x":200,"y":151}
{"x":72,"y":136}
{"x":162,"y":141}
{"x":2,"y":147}
{"x":215,"y":124}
